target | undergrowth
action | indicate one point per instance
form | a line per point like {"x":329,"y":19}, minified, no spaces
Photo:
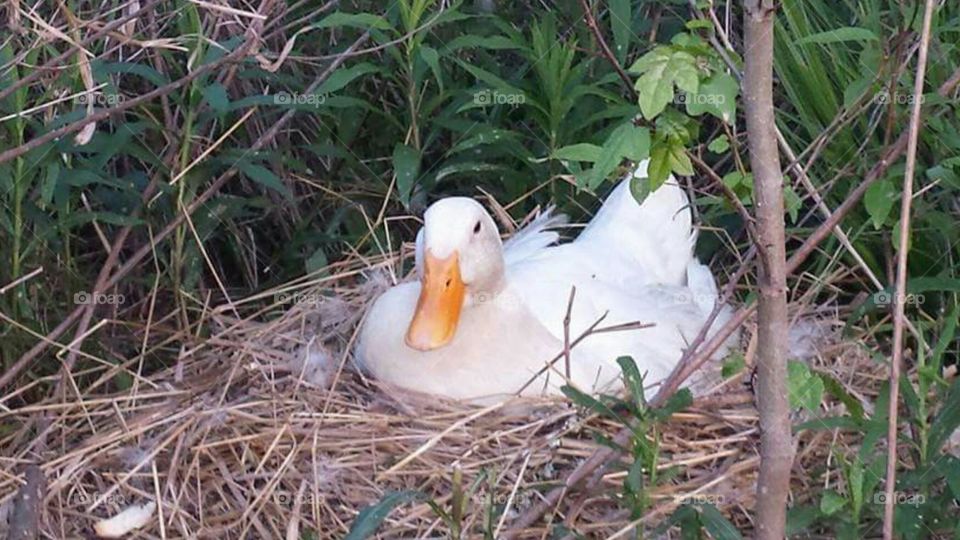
{"x":513,"y":100}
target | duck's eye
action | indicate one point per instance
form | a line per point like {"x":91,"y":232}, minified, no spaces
{"x":476,"y":228}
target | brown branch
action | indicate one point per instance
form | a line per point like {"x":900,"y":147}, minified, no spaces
{"x":591,"y":330}
{"x":147,"y":249}
{"x":901,"y":286}
{"x":28,"y":505}
{"x":776,"y":441}
{"x":607,"y":53}
{"x":728,"y":193}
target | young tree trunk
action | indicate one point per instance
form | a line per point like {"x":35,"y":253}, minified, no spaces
{"x":776,"y":446}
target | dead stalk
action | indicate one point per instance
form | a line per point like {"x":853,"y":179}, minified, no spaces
{"x":901,"y":286}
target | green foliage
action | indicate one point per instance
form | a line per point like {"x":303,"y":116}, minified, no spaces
{"x":804,"y":389}
{"x":634,"y":413}
{"x":370,"y":518}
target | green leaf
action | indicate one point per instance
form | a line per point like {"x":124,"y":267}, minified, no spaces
{"x":855,"y":483}
{"x":627,"y":141}
{"x":661,"y":69}
{"x":831,"y":502}
{"x":946,"y":422}
{"x":494,"y":82}
{"x":678,"y":158}
{"x":835,"y":389}
{"x":264,"y":177}
{"x":370,"y":518}
{"x":800,"y":518}
{"x":659,"y":167}
{"x":838,"y":35}
{"x":679,"y":401}
{"x":579,"y":152}
{"x":406,"y":165}
{"x":732,"y":365}
{"x":855,"y":90}
{"x":879,"y":200}
{"x":716,"y":524}
{"x":634,"y":141}
{"x":804,"y":388}
{"x":719,"y":145}
{"x":717,"y":96}
{"x":639,"y":188}
{"x":101,"y":71}
{"x":588,"y":402}
{"x":344,"y":76}
{"x":431,"y":57}
{"x":316,"y":261}
{"x":357,"y":20}
{"x":216,"y":96}
{"x":632,"y":379}
{"x":792,"y":203}
{"x":620,"y":26}
{"x":828,"y":422}
{"x":951,"y":466}
{"x":484,"y":42}
{"x":634,"y":481}
{"x":49,"y":184}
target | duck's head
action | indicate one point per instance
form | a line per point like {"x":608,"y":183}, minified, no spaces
{"x":459,"y":256}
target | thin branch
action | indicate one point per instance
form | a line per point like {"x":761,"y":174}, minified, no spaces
{"x":566,"y":332}
{"x":28,"y":505}
{"x":605,"y":49}
{"x":901,"y":287}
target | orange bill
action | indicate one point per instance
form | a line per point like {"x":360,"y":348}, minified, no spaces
{"x":438,"y":309}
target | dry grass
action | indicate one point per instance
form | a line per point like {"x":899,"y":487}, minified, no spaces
{"x":244,"y":438}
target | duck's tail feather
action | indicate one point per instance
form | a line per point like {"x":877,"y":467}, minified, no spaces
{"x":702,"y":285}
{"x":657,"y":235}
{"x":534,"y":236}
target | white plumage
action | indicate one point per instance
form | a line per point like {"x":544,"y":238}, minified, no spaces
{"x":632,"y":263}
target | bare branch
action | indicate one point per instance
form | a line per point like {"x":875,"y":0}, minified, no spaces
{"x":901,"y":287}
{"x":605,"y":49}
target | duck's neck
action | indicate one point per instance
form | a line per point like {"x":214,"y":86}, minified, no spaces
{"x":488,"y":289}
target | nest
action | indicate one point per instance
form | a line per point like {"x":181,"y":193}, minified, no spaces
{"x":262,"y":428}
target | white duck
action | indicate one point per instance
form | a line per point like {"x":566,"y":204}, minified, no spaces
{"x":486,"y":317}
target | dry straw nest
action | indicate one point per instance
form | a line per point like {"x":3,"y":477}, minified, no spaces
{"x":262,"y":429}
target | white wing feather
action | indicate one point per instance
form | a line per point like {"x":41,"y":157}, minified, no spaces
{"x":533,"y":238}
